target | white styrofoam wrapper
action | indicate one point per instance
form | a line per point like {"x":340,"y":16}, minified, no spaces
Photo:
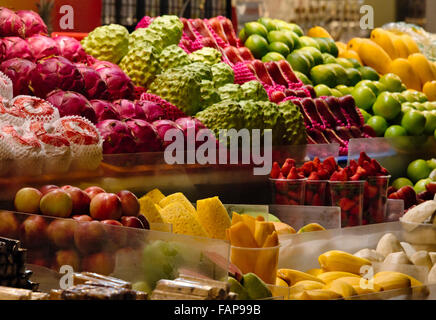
{"x":6,"y":88}
{"x":34,"y":109}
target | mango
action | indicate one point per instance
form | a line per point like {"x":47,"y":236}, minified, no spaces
{"x":374,"y":56}
{"x":311,"y":227}
{"x":410,"y":43}
{"x":319,"y":32}
{"x":430,"y":90}
{"x":384,"y":39}
{"x":403,"y":68}
{"x":422,"y":67}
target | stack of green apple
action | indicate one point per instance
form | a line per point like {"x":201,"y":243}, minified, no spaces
{"x":419,"y":174}
{"x":392,"y":110}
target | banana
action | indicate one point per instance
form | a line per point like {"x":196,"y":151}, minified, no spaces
{"x":307,"y":285}
{"x":293,"y":276}
{"x":355,"y":282}
{"x":314,"y":272}
{"x":341,"y":287}
{"x":281,"y":283}
{"x":384,"y":39}
{"x":319,"y":294}
{"x":400,"y":45}
{"x":374,"y":56}
{"x":336,"y":260}
{"x":422,"y":67}
{"x":403,"y":68}
{"x":388,"y":244}
{"x":328,"y":277}
{"x":410,"y":43}
{"x":391,"y":280}
{"x":370,"y":254}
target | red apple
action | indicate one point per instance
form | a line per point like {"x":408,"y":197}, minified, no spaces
{"x":9,"y":225}
{"x":47,"y":188}
{"x":89,"y":237}
{"x":67,"y":257}
{"x":132,"y":222}
{"x":80,"y":198}
{"x":93,"y":191}
{"x":40,"y":257}
{"x":144,"y":221}
{"x":112,"y":222}
{"x":33,"y":232}
{"x":27,"y":200}
{"x":117,"y":237}
{"x":101,"y":263}
{"x":61,"y":233}
{"x":83,"y":217}
{"x":57,"y":203}
{"x":105,"y":206}
{"x":129,"y":203}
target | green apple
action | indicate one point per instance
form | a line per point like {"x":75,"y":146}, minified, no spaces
{"x":402,"y":182}
{"x":279,"y":36}
{"x":386,"y":106}
{"x":418,"y":170}
{"x":366,"y":115}
{"x":255,"y":28}
{"x":364,"y":97}
{"x":324,"y":74}
{"x":420,"y":185}
{"x":328,"y":58}
{"x":414,"y":122}
{"x":379,"y":124}
{"x":369,"y":84}
{"x":369,"y":73}
{"x":392,"y":82}
{"x":272,"y":56}
{"x":430,"y":123}
{"x":344,"y":62}
{"x":395,"y":131}
{"x":299,"y":62}
{"x":344,"y":89}
{"x":353,"y":76}
{"x":322,"y":90}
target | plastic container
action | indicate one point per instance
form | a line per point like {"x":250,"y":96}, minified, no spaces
{"x":375,"y":199}
{"x":421,"y":235}
{"x":260,"y":261}
{"x":317,"y":193}
{"x":349,"y":197}
{"x":288,"y":192}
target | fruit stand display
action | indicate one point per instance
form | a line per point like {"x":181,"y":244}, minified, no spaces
{"x":85,"y":124}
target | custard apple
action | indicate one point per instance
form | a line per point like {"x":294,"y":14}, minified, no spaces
{"x":146,"y":37}
{"x":203,"y":70}
{"x":209,"y":94}
{"x":141,"y":64}
{"x":206,"y":55}
{"x":253,"y":115}
{"x":173,"y":56}
{"x":254,"y":90}
{"x":292,"y":122}
{"x":181,"y":87}
{"x":231,"y":91}
{"x":222,"y":115}
{"x":222,"y":74}
{"x":107,"y":43}
{"x":169,"y":27}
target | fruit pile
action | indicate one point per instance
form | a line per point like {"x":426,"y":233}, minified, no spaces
{"x":250,"y":287}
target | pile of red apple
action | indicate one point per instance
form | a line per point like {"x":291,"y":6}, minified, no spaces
{"x":93,"y":203}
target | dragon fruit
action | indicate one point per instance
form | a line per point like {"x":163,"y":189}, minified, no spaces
{"x":33,"y":22}
{"x":162,"y":126}
{"x":42,"y":46}
{"x":146,"y":136}
{"x":118,"y":83}
{"x":70,"y":48}
{"x":56,"y":73}
{"x":152,"y":110}
{"x":117,"y":137}
{"x":128,"y":110}
{"x":11,"y":25}
{"x":95,"y":87}
{"x":192,"y":123}
{"x":19,"y":71}
{"x":104,"y":110}
{"x":15,"y":47}
{"x":72,"y":104}
{"x":144,"y":23}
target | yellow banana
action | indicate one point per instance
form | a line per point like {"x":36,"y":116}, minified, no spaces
{"x":308,"y":285}
{"x":374,"y":56}
{"x":328,"y":277}
{"x":422,"y":67}
{"x":314,"y":272}
{"x":384,"y":39}
{"x":403,"y":68}
{"x":410,"y":43}
{"x":341,"y":287}
{"x":400,"y":45}
{"x":336,"y":260}
{"x":293,"y":276}
{"x":391,"y":280}
{"x":319,"y":294}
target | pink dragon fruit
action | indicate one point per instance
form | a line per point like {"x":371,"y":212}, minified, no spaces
{"x":118,"y":83}
{"x":145,"y":22}
{"x":117,"y":137}
{"x":146,"y":136}
{"x":72,"y":104}
{"x":104,"y":110}
{"x":11,"y":25}
{"x":33,"y":22}
{"x":56,"y":73}
{"x":152,"y":110}
{"x":128,"y":110}
{"x":95,"y":87}
{"x":15,"y":47}
{"x":187,"y":123}
{"x":70,"y":48}
{"x":43,"y":46}
{"x":162,"y":126}
{"x":19,"y":71}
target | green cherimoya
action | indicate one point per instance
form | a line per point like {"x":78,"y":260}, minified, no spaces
{"x":222,"y":115}
{"x":107,"y":43}
{"x":203,"y":70}
{"x":254,"y":90}
{"x":141,"y":64}
{"x":181,"y":87}
{"x":206,"y":55}
{"x":169,"y":27}
{"x":253,"y":115}
{"x":231,"y":91}
{"x":173,"y":56}
{"x":209,"y":94}
{"x":292,"y":124}
{"x":222,"y":74}
{"x":144,"y":37}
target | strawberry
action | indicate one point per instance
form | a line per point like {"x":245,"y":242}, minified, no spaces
{"x":313,"y":176}
{"x":431,"y":187}
{"x":363,"y":157}
{"x":340,"y":175}
{"x":316,"y":162}
{"x":308,"y":168}
{"x":280,"y":199}
{"x":289,"y":163}
{"x":352,"y":221}
{"x":309,"y":196}
{"x":346,"y":204}
{"x":330,"y":165}
{"x":323,"y":174}
{"x":370,"y":191}
{"x":361,"y":174}
{"x":293,"y":174}
{"x":391,"y":190}
{"x":353,"y":166}
{"x":275,"y":170}
{"x":316,"y":200}
{"x":355,"y":211}
{"x":293,"y":203}
{"x":295,"y":195}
